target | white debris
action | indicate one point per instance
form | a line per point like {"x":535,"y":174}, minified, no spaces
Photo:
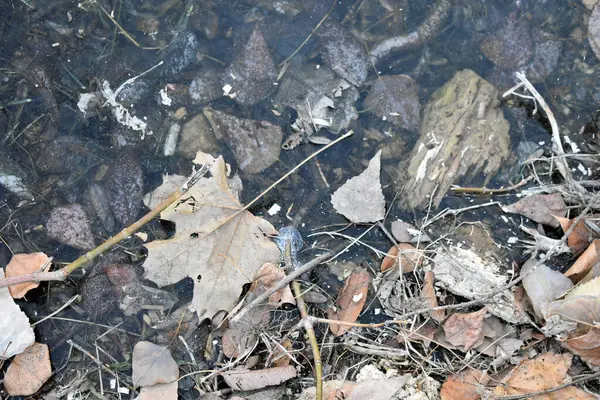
{"x":574,"y":148}
{"x":164,"y":97}
{"x":227,"y":91}
{"x":275,"y":208}
{"x":171,"y":140}
{"x":86,"y":100}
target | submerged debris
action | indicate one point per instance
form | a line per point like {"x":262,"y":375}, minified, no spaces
{"x":464,"y":133}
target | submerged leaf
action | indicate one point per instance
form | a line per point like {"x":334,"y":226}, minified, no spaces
{"x":361,"y":199}
{"x":541,"y":208}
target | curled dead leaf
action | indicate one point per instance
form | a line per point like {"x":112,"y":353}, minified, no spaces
{"x":428,"y":294}
{"x":405,"y":256}
{"x":22,"y":264}
{"x":540,"y":208}
{"x":351,"y":300}
{"x":582,"y":235}
{"x":585,"y":262}
{"x":241,"y":335}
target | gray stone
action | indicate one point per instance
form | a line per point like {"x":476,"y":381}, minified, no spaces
{"x":205,"y":87}
{"x":197,"y":135}
{"x":344,"y":53}
{"x":396,"y":98}
{"x":70,"y":225}
{"x":252,"y":74}
{"x":255,"y":144}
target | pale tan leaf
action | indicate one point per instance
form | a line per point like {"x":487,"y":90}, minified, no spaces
{"x":590,"y":288}
{"x":465,"y":330}
{"x":28,"y":371}
{"x":243,"y":379}
{"x":22,"y":264}
{"x":217,"y":243}
{"x":351,"y":300}
{"x":385,"y":389}
{"x":361,"y":199}
{"x":543,"y":372}
{"x":152,"y":364}
{"x":586,"y":346}
{"x":543,"y":285}
{"x":164,"y":391}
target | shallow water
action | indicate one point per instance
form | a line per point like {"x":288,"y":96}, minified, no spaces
{"x":53,"y":51}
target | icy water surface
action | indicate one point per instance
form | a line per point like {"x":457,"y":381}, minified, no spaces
{"x":265,"y":84}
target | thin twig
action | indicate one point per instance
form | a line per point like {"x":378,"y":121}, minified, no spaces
{"x":557,"y":147}
{"x":124,"y":32}
{"x":457,"y":211}
{"x":307,"y":159}
{"x":310,"y":34}
{"x":484,"y":190}
{"x":61,"y":274}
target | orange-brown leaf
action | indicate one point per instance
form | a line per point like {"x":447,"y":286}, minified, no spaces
{"x":585,"y":262}
{"x":586,"y":346}
{"x":22,"y":264}
{"x":464,"y":385}
{"x":351,"y":300}
{"x":428,"y":294}
{"x":543,"y":372}
{"x":581,"y":236}
{"x":405,"y":256}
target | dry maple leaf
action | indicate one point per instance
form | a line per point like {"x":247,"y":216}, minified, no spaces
{"x":217,"y":243}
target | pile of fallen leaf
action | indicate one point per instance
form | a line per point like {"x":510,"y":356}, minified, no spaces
{"x":512,"y":339}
